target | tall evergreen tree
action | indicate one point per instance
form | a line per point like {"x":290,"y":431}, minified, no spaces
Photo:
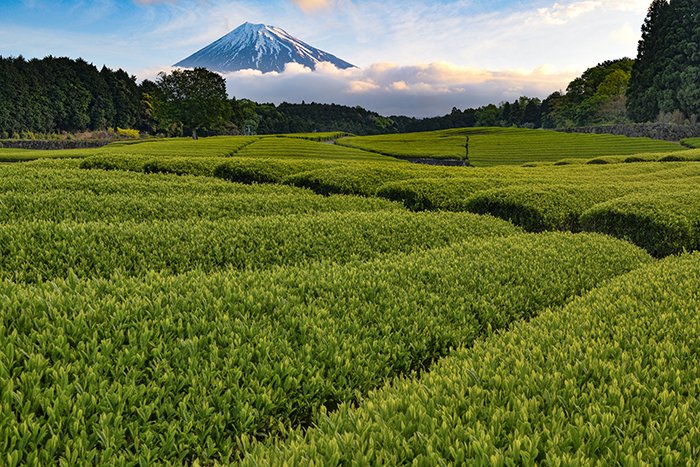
{"x":686,"y":62}
{"x":666,"y":75}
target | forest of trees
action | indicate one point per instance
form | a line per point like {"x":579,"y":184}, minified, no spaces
{"x":55,"y":95}
{"x":308,"y":117}
{"x":596,"y":97}
{"x":60,"y":94}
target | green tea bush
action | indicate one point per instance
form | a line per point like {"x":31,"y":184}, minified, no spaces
{"x":265,"y":170}
{"x":541,"y":207}
{"x":51,"y":193}
{"x":662,"y":221}
{"x":319,"y":136}
{"x":143,"y":163}
{"x":37,"y":251}
{"x":290,"y":148}
{"x":192,"y":368}
{"x":362,"y":179}
{"x":609,"y":380}
{"x":421,"y":194}
{"x":692,"y":142}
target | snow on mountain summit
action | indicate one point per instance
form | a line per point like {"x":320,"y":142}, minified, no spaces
{"x":258,"y":47}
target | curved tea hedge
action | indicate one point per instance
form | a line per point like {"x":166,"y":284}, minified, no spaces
{"x":611,"y":379}
{"x":185,"y":369}
{"x":264,"y":170}
{"x":32,"y":251}
{"x":304,"y":147}
{"x":543,"y":207}
{"x":56,"y":194}
{"x":662,"y":221}
{"x":421,"y":194}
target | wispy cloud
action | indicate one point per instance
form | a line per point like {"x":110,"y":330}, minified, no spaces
{"x":563,"y":13}
{"x":311,"y":6}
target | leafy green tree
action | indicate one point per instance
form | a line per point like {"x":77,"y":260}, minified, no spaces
{"x":197,"y":98}
{"x":487,"y":115}
{"x":60,"y":94}
{"x":532,"y":113}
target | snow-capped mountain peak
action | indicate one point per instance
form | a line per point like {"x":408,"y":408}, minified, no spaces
{"x":258,"y":47}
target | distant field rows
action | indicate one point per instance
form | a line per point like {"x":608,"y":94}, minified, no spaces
{"x":497,"y":146}
{"x":487,"y":146}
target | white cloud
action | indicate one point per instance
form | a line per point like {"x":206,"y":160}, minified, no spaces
{"x":391,"y":89}
{"x":626,"y":34}
{"x":562,"y":14}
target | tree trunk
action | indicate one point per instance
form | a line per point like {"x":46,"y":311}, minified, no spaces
{"x":194,"y":133}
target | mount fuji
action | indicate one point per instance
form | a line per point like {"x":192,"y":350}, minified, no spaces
{"x":258,"y":47}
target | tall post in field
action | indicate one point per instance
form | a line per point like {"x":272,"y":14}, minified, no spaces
{"x":466,"y":155}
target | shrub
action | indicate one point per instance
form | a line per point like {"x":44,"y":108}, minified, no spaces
{"x":128,"y":133}
{"x":664,"y":221}
{"x":538,"y":207}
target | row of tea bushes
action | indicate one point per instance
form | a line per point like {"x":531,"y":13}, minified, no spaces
{"x":663,"y":221}
{"x":612,"y":379}
{"x":192,"y":368}
{"x":266,"y":170}
{"x":34,"y":251}
{"x":655,"y":206}
{"x":675,"y":156}
{"x":323,"y":175}
{"x":203,"y":166}
{"x":53,"y":194}
{"x":541,"y":198}
{"x":290,"y":148}
{"x":503,"y":146}
{"x":543,"y":207}
{"x":363,"y":179}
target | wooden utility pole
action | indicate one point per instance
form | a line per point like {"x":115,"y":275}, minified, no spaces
{"x":466,"y":147}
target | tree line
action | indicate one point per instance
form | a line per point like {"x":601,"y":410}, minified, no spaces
{"x":57,"y":94}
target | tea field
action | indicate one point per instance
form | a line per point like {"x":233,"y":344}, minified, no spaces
{"x":283,"y":300}
{"x":498,"y":146}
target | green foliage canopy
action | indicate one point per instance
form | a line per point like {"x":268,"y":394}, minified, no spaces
{"x":666,"y":76}
{"x":197,"y":98}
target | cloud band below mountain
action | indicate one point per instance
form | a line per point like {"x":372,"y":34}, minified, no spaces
{"x":390,"y":89}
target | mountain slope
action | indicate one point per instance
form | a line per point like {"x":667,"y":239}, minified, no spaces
{"x":258,"y":47}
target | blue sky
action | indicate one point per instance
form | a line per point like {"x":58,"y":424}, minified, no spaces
{"x":419,"y":57}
